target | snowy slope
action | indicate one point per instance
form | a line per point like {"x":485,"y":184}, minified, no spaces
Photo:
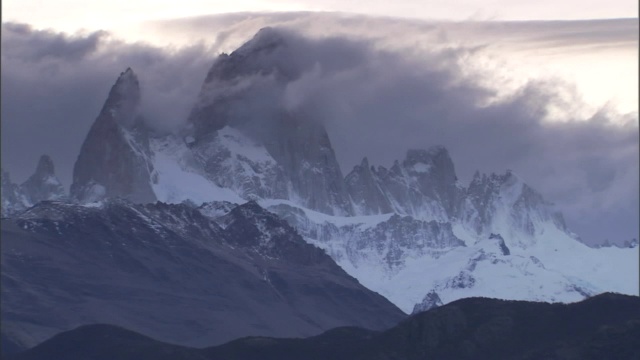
{"x":405,"y":257}
{"x":178,"y":178}
{"x":439,"y":245}
{"x":385,"y":255}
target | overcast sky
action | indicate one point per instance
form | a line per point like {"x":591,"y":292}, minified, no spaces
{"x":555,"y":101}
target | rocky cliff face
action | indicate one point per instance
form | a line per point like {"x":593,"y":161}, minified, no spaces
{"x":423,"y":185}
{"x":114,"y":158}
{"x":239,"y":136}
{"x":367,"y":192}
{"x":504,"y":204}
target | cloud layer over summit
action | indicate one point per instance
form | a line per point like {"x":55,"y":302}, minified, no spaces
{"x":378,"y":94}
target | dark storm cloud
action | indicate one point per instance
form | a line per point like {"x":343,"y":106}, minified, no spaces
{"x":588,"y":166}
{"x":27,"y":44}
{"x":379,"y":104}
{"x":375,"y":103}
{"x":54,"y":86}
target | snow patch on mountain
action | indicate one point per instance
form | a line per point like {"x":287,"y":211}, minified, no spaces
{"x":176,"y":179}
{"x":232,"y":160}
{"x":319,"y":218}
{"x":404,"y":259}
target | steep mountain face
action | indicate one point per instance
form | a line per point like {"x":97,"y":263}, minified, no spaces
{"x":244,"y":91}
{"x":113,"y":161}
{"x":173,"y":273}
{"x":432,"y":174}
{"x":424,"y":185}
{"x":505,"y":204}
{"x":232,"y":160}
{"x":367,"y":194}
{"x":603,"y":327}
{"x":42,"y":185}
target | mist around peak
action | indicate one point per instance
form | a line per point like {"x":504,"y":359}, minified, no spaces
{"x":377,"y":96}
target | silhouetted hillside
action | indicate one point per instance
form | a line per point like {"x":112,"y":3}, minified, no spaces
{"x":605,"y":326}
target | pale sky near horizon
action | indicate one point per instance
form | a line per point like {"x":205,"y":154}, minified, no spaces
{"x":70,"y":15}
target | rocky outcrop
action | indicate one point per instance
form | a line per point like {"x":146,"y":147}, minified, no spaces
{"x":368,"y":195}
{"x":503,"y":247}
{"x":522,"y":211}
{"x":430,"y":301}
{"x":114,"y":158}
{"x":424,"y":185}
{"x":13,"y":200}
{"x":43,"y":184}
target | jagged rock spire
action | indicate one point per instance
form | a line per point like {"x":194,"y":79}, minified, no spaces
{"x":424,"y":184}
{"x":114,"y":158}
{"x":45,"y":166}
{"x":366,"y":193}
{"x":43,"y":184}
{"x":123,"y":100}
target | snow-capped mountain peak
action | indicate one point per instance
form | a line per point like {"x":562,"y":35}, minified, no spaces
{"x":403,"y":231}
{"x":114,"y":160}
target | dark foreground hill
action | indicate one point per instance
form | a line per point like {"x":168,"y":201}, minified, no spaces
{"x":172,"y":273}
{"x":603,"y":327}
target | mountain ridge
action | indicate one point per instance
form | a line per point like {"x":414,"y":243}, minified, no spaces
{"x":171,"y":272}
